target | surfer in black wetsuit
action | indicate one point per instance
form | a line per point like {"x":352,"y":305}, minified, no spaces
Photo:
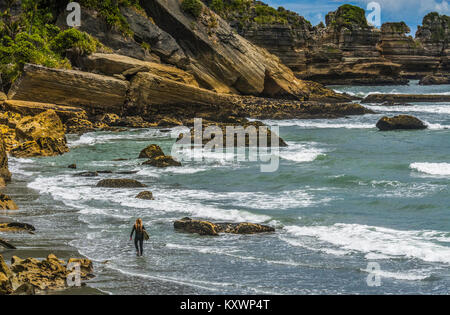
{"x":139,"y":229}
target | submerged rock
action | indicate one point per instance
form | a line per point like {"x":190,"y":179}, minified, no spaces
{"x":145,"y":195}
{"x":150,"y":152}
{"x":157,"y":158}
{"x":120,"y":183}
{"x":209,"y":228}
{"x":402,"y":98}
{"x":434,"y":80}
{"x":241,"y":136}
{"x":16,"y":227}
{"x":6,"y":203}
{"x":400,"y":122}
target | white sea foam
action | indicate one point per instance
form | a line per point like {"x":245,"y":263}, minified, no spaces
{"x":437,"y":169}
{"x":79,"y":192}
{"x":422,"y":245}
{"x":433,"y":109}
{"x":321,"y":124}
{"x":301,"y":152}
{"x":93,"y":138}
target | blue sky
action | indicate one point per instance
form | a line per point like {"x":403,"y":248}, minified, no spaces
{"x":409,"y":11}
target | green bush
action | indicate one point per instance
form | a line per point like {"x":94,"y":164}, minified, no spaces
{"x":73,"y":38}
{"x":26,"y":48}
{"x":349,"y":16}
{"x":193,"y":7}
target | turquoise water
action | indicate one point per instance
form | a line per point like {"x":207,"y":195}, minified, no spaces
{"x":345,"y":195}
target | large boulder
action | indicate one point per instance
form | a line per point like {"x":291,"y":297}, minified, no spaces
{"x":400,"y":122}
{"x":92,"y":92}
{"x":120,"y":183}
{"x":41,"y":135}
{"x":208,"y":228}
{"x":113,"y":64}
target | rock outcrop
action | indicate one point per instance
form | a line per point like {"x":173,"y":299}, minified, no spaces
{"x":248,"y":134}
{"x":120,"y":183}
{"x":347,"y":50}
{"x":157,"y":158}
{"x":5,"y":174}
{"x":342,"y":52}
{"x":41,"y":135}
{"x":400,"y":122}
{"x":32,"y":276}
{"x":114,"y":64}
{"x":25,"y":108}
{"x":17,"y":227}
{"x":6,"y":203}
{"x":434,"y":80}
{"x":220,"y":59}
{"x":92,"y":92}
{"x":405,"y":98}
{"x":208,"y":228}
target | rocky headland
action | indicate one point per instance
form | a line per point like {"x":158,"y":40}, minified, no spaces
{"x":345,"y":50}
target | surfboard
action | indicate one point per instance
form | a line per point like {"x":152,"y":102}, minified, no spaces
{"x":146,"y":236}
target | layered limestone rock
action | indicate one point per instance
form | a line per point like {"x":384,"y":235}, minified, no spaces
{"x":406,"y":51}
{"x":405,"y":98}
{"x":25,"y":108}
{"x":92,"y":92}
{"x":343,"y":52}
{"x":434,"y":80}
{"x":113,"y":64}
{"x":208,"y":228}
{"x":222,"y":60}
{"x":147,"y":90}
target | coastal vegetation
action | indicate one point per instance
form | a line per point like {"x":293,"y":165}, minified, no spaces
{"x":247,"y":12}
{"x":33,"y":37}
{"x":348,"y":16}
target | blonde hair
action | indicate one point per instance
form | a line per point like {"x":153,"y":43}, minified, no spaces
{"x":138,"y":224}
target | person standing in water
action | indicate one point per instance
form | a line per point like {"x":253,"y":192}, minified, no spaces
{"x":139,"y":229}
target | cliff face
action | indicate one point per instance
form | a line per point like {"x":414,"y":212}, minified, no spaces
{"x":347,"y":50}
{"x":342,"y":52}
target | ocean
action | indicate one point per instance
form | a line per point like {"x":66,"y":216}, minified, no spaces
{"x":350,"y":204}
